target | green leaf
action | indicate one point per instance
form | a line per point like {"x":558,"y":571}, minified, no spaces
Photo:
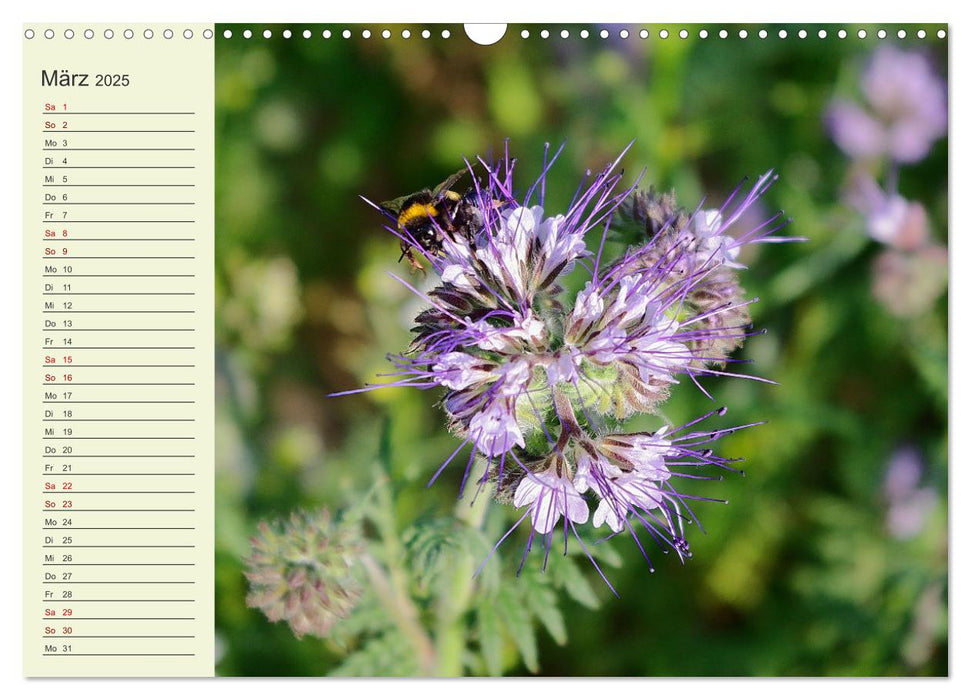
{"x":490,"y":637}
{"x":605,"y":553}
{"x":542,"y":601}
{"x":433,"y":547}
{"x":567,"y":575}
{"x":387,"y":655}
{"x":479,"y":545}
{"x":367,"y":617}
{"x":514,"y":615}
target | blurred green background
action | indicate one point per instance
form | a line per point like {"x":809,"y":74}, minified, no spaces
{"x":799,"y":573}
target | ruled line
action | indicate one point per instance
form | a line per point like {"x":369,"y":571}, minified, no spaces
{"x":135,"y":401}
{"x":117,"y":131}
{"x":121,"y":618}
{"x":73,"y":456}
{"x":68,"y":492}
{"x":119,"y":167}
{"x":116,"y":221}
{"x":116,"y":366}
{"x":116,"y":204}
{"x":107,"y":654}
{"x":119,"y":384}
{"x":73,"y":240}
{"x":116,"y":437}
{"x":118,"y":420}
{"x":74,"y":563}
{"x":112,"y":654}
{"x":62,"y":148}
{"x":115,"y":636}
{"x":115,"y":114}
{"x":73,"y":275}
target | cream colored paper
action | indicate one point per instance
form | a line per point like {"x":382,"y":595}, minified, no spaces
{"x":118,"y":351}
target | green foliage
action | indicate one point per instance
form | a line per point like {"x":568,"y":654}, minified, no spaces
{"x":490,"y":637}
{"x":368,"y":619}
{"x":511,"y":610}
{"x":386,"y":655}
{"x":433,"y":546}
{"x":567,"y":576}
{"x":505,"y":619}
{"x":542,"y":602}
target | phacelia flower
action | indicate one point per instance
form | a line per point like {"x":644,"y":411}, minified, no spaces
{"x":908,"y":503}
{"x":890,"y":218}
{"x":548,"y":495}
{"x":905,"y":113}
{"x":302,"y":571}
{"x":632,"y":478}
{"x":538,"y":380}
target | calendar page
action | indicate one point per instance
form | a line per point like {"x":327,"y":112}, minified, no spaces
{"x":435,"y":350}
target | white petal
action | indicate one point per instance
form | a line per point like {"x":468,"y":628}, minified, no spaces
{"x":576,"y":509}
{"x":600,"y":514}
{"x":526,"y":492}
{"x":545,"y":516}
{"x":605,"y":513}
{"x":615,"y":521}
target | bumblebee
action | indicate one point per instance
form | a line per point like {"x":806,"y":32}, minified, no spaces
{"x":426,"y":216}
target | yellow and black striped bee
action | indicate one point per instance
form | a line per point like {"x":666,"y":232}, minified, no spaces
{"x":428,"y":215}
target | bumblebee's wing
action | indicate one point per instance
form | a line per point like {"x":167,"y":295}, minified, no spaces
{"x":393,"y":206}
{"x":446,"y":184}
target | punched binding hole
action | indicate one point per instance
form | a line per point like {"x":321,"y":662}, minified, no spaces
{"x":487,"y":34}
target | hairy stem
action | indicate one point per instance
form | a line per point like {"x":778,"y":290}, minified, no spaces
{"x":392,"y":587}
{"x":402,"y":610}
{"x":458,"y":589}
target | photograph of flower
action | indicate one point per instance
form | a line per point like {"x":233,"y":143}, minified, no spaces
{"x":601,"y":350}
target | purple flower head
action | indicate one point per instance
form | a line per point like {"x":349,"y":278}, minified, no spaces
{"x":533,"y":375}
{"x":908,"y":504}
{"x":890,"y":219}
{"x":694,"y":258}
{"x":906,"y":109}
{"x":629,"y":481}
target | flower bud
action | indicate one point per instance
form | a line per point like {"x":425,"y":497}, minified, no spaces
{"x":303,"y":571}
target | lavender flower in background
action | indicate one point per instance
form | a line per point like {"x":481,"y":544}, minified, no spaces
{"x":908,"y":112}
{"x":890,"y":218}
{"x":908,"y":504}
{"x":905,"y":113}
{"x":537,"y":384}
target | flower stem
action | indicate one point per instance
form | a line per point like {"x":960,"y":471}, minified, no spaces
{"x":458,"y":589}
{"x":402,"y":610}
{"x":392,"y":588}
